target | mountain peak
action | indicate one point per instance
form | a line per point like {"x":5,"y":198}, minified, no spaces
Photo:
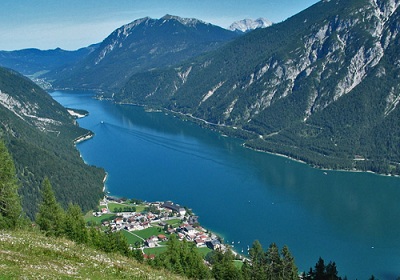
{"x":184,"y":21}
{"x":246,"y":25}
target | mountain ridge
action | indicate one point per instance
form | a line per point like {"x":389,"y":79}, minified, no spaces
{"x":141,"y":45}
{"x":37,"y":62}
{"x":39,"y":134}
{"x":283,"y":83}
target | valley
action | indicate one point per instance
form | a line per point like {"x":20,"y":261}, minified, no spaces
{"x":282,"y":133}
{"x":339,"y":216}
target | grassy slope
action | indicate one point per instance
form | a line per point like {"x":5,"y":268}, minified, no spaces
{"x":30,"y":255}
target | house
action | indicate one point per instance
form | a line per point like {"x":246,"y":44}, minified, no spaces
{"x":106,"y":223}
{"x":145,"y":225}
{"x":174,"y":207}
{"x":214,"y":244}
{"x":153,"y":238}
{"x":181,"y":236}
{"x":151,"y":243}
{"x":199,"y":242}
{"x":162,"y":237}
{"x":189,"y":229}
{"x":193,"y":220}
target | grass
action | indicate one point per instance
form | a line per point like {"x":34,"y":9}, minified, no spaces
{"x":238,"y":264}
{"x":98,"y":220}
{"x":174,"y":222}
{"x":140,"y":208}
{"x":131,"y":238}
{"x":155,"y":251}
{"x":145,"y":233}
{"x":112,"y":205}
{"x":204,"y":251}
{"x":31,"y":255}
{"x":148,"y":232}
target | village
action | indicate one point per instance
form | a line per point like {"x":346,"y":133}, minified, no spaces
{"x":148,"y":225}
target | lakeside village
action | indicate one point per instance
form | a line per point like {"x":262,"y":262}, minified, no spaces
{"x":147,"y":225}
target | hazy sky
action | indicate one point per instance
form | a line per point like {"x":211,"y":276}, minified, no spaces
{"x":72,"y":24}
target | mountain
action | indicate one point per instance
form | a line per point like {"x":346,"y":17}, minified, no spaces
{"x":246,"y":25}
{"x":34,"y":61}
{"x":40,"y":134}
{"x":142,"y":45}
{"x":320,"y":87}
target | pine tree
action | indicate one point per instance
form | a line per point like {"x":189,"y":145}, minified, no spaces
{"x":51,"y":216}
{"x":223,"y":266}
{"x":289,"y":268}
{"x":331,"y":271}
{"x":273,"y":263}
{"x":319,"y":270}
{"x":75,"y":227}
{"x":257,"y":259}
{"x":10,"y":203}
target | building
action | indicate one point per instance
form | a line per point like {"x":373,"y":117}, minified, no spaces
{"x":174,"y":207}
{"x":214,"y":244}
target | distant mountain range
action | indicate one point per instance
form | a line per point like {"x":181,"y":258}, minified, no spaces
{"x":39,"y":134}
{"x":247,"y":25}
{"x":34,"y":61}
{"x":322,"y":87}
{"x":141,"y":45}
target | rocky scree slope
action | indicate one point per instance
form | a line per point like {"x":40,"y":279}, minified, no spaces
{"x":321,"y":86}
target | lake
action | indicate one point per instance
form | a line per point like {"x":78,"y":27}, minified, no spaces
{"x":243,"y":195}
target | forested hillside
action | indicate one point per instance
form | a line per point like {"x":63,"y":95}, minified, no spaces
{"x":39,"y":134}
{"x":321,"y":87}
{"x":141,"y":45}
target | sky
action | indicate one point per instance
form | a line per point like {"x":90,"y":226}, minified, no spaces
{"x":72,"y":24}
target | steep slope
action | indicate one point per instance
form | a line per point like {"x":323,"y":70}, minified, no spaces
{"x":321,"y":86}
{"x":141,"y":45}
{"x":39,"y":134}
{"x":30,"y":255}
{"x":34,"y":61}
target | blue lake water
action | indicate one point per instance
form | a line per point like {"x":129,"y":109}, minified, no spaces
{"x":244,"y":195}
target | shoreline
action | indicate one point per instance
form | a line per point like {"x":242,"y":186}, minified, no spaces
{"x":75,"y":114}
{"x":84,"y":137}
{"x":224,"y":244}
{"x":273,"y":153}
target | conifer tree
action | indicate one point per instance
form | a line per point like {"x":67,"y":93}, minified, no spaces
{"x":289,"y":268}
{"x":51,"y":216}
{"x":10,"y":203}
{"x":75,"y":227}
{"x":257,"y":259}
{"x":223,"y":266}
{"x":273,"y":263}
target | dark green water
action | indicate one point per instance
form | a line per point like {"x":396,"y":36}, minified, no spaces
{"x":350,"y":218}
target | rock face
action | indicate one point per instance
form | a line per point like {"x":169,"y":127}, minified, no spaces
{"x":139,"y":46}
{"x":39,"y":134}
{"x":246,"y":25}
{"x":321,"y":86}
